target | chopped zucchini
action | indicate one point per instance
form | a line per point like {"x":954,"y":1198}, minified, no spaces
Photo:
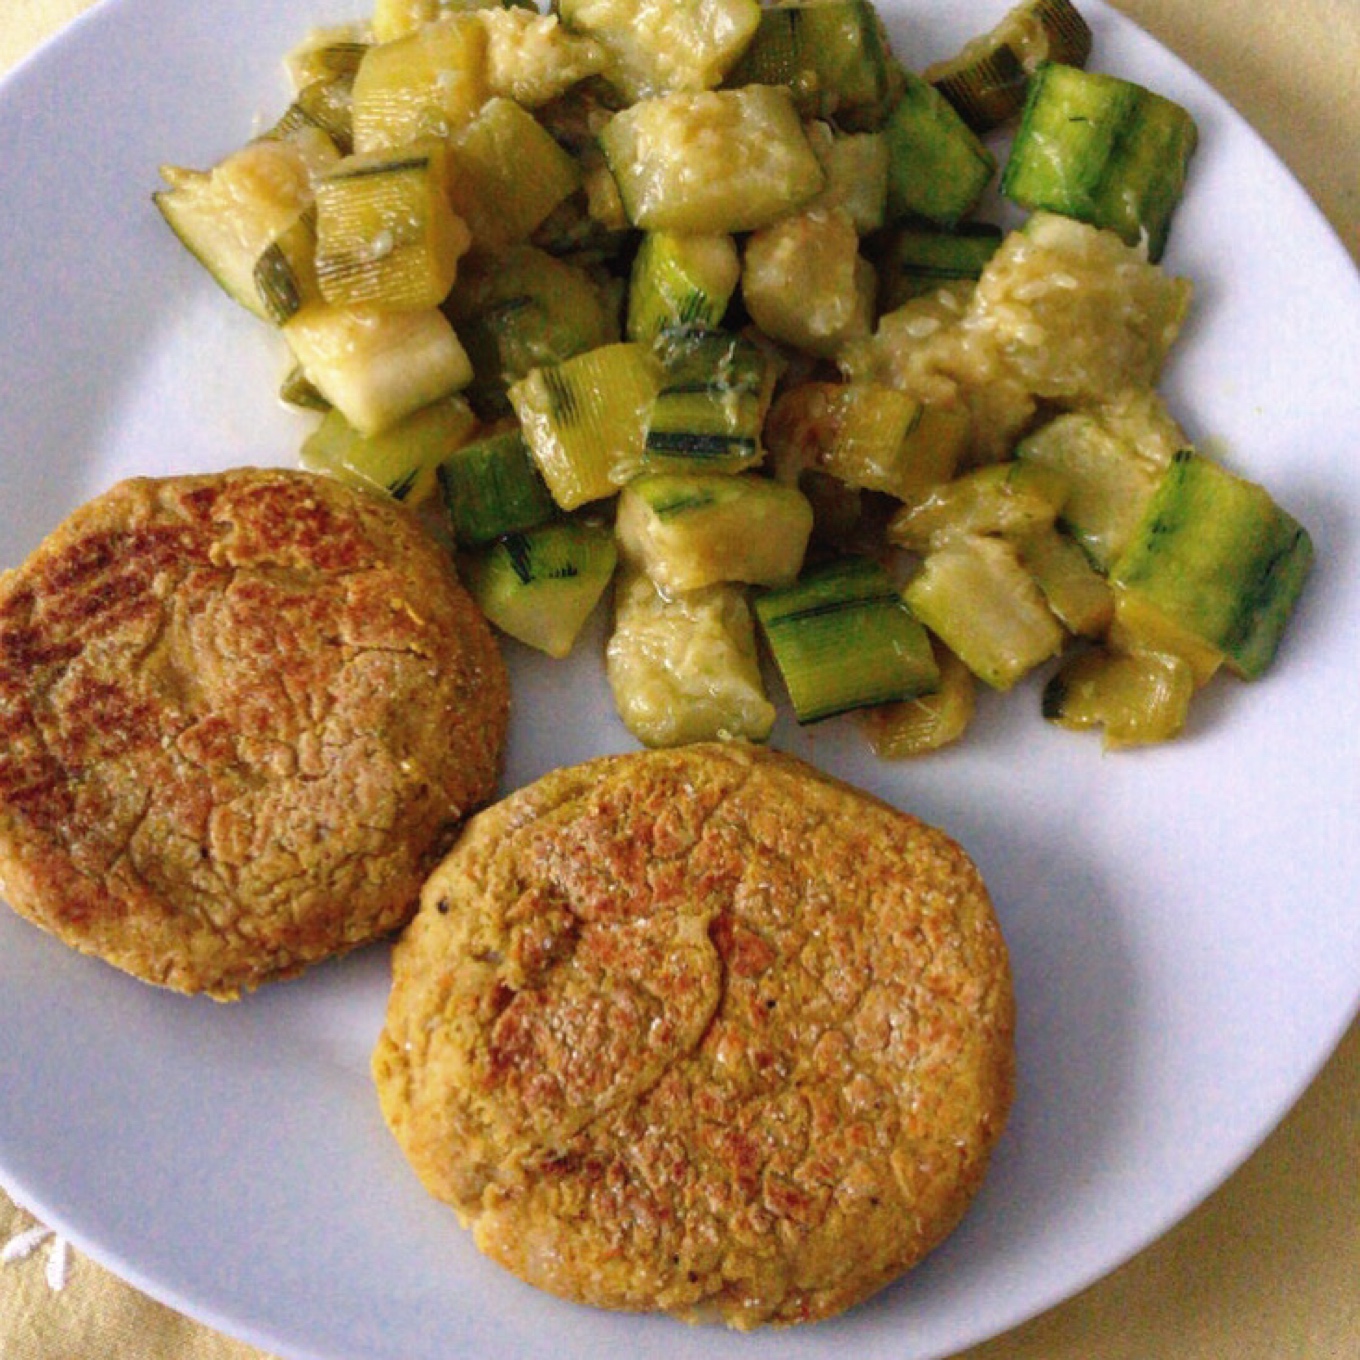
{"x":585,"y":419}
{"x":1103,"y":150}
{"x":1138,"y":699}
{"x":1076,"y":592}
{"x":832,"y":54}
{"x":298,"y":390}
{"x":1109,"y":482}
{"x":532,"y":58}
{"x":400,"y":460}
{"x":916,"y":260}
{"x":684,"y":668}
{"x":507,"y":174}
{"x":856,"y":169}
{"x":249,"y":221}
{"x":716,"y":161}
{"x":681,"y":280}
{"x":988,"y":79}
{"x":542,"y":585}
{"x":708,"y":413}
{"x":867,"y":436}
{"x":665,"y":46}
{"x":937,"y":167}
{"x":524,"y":309}
{"x":326,"y":105}
{"x":690,"y":530}
{"x":376,"y":366}
{"x":1219,"y":559}
{"x":913,"y":727}
{"x":424,"y":84}
{"x":843,"y":639}
{"x":1011,"y":499}
{"x":974,"y":594}
{"x":326,"y":53}
{"x":385,"y":232}
{"x":805,"y":283}
{"x":1139,"y":626}
{"x":396,"y":18}
{"x":491,"y":488}
{"x":1079,"y":316}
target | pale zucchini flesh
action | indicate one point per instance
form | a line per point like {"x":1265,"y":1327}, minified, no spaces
{"x":710,"y":162}
{"x":684,"y":668}
{"x":687,"y":531}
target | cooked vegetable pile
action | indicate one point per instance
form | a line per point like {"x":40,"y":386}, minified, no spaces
{"x":691,"y":297}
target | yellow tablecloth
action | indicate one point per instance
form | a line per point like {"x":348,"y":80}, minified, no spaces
{"x":1269,"y":1267}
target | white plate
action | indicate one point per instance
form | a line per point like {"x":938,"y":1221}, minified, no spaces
{"x":1182,"y":920}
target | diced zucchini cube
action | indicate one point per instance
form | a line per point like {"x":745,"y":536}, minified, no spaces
{"x":684,"y":668}
{"x":843,"y":639}
{"x":974,"y":594}
{"x":491,"y":488}
{"x":711,"y":162}
{"x":856,"y":168}
{"x":665,"y":46}
{"x":507,"y":174}
{"x":832,"y":54}
{"x":915,"y":727}
{"x":385,"y":231}
{"x":325,"y":53}
{"x":681,"y":280}
{"x":400,"y":460}
{"x":585,"y":419}
{"x":987,"y":81}
{"x":917,"y":260}
{"x":1138,"y":698}
{"x":325,"y":106}
{"x":523,"y":309}
{"x":1011,"y":499}
{"x":1109,"y":482}
{"x":690,"y":530}
{"x":247,"y":221}
{"x":867,"y":436}
{"x":542,"y":585}
{"x":711,"y":405}
{"x":377,"y":366}
{"x":1103,"y":150}
{"x":531,"y":56}
{"x":1118,"y":315}
{"x":805,"y":283}
{"x":937,"y":167}
{"x":424,"y":84}
{"x":1216,"y":557}
{"x":1076,"y":592}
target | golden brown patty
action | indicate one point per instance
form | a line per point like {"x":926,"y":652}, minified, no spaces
{"x":240,"y":717}
{"x":701,"y":1030}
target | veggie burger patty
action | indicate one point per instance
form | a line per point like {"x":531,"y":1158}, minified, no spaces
{"x":242,"y":715}
{"x":701,"y":1030}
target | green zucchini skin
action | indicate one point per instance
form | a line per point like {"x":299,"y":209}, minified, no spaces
{"x":937,"y":165}
{"x":491,"y":488}
{"x":1103,"y":150}
{"x":832,"y":55}
{"x":914,"y":260}
{"x":1217,"y":556}
{"x":842,"y":639}
{"x":540,"y":586}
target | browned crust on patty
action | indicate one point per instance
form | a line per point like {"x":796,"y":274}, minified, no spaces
{"x":241,"y":714}
{"x":703,"y":1031}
